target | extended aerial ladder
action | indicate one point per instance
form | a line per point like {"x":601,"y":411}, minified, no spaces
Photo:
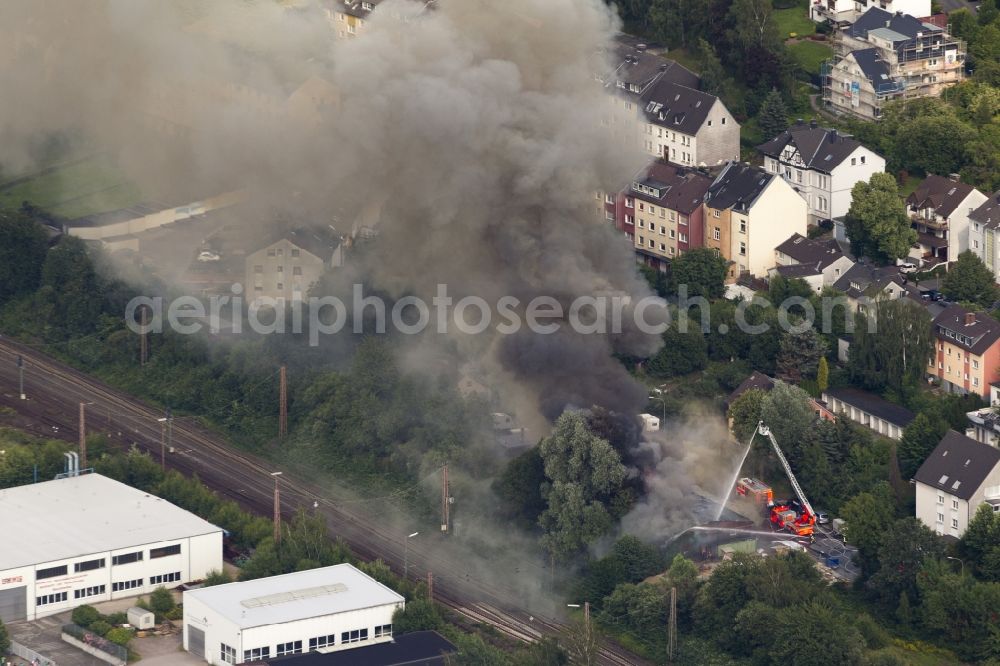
{"x":786,"y":517}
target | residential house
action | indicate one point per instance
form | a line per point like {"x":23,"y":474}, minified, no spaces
{"x":984,"y":233}
{"x":808,"y":273}
{"x":870,"y":410}
{"x":885,"y":56}
{"x":840,"y":12}
{"x":822,"y":165}
{"x":760,"y":381}
{"x":984,"y":424}
{"x":663,"y":206}
{"x":939,"y":210}
{"x":958,"y":477}
{"x":819,"y":257}
{"x":287,"y":267}
{"x":687,"y":126}
{"x":350,"y":17}
{"x":748,"y":213}
{"x":967,"y":351}
{"x":863,"y":282}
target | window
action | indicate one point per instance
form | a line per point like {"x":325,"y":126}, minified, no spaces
{"x":975,"y":381}
{"x":228,"y":653}
{"x":47,"y":599}
{"x":51,"y":572}
{"x":940,"y":518}
{"x":127,"y":558}
{"x":663,"y":230}
{"x":743,"y":248}
{"x":954,"y":504}
{"x":256,"y":654}
{"x":975,"y":245}
{"x":89,"y":565}
{"x":270,"y":252}
{"x":682,"y":238}
{"x":798,"y":176}
{"x":652,"y":243}
{"x":642,"y":206}
{"x":723,"y":121}
{"x":709,"y":123}
{"x":609,"y":199}
{"x":280,"y":285}
{"x":322,"y":641}
{"x":672,"y":234}
{"x":862,"y":159}
{"x":295,"y":252}
{"x":743,"y":226}
{"x":126,"y":585}
{"x":297,"y":270}
{"x":89,"y":591}
{"x":652,"y":209}
{"x":717,"y":233}
{"x":258,"y":269}
{"x":715,"y":213}
{"x":854,"y":161}
{"x":940,"y":499}
{"x":663,"y":248}
{"x":355,"y":636}
{"x":281,"y":252}
{"x":295,"y":647}
{"x":281,"y":269}
{"x":165,"y":551}
{"x":165,"y":578}
{"x":954,"y":523}
{"x":383,"y":631}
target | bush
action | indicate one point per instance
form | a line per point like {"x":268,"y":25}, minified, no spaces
{"x":875,"y":636}
{"x":216,"y":578}
{"x":161,"y":601}
{"x":4,"y":639}
{"x":100,"y":627}
{"x":120,"y":636}
{"x":116,"y":619}
{"x":176,"y":613}
{"x":85,"y":616}
{"x":419,"y":615}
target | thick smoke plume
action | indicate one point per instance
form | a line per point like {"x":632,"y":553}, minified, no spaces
{"x":470,"y":135}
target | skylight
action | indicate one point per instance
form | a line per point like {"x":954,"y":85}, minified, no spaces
{"x":955,"y":485}
{"x":943,"y":480}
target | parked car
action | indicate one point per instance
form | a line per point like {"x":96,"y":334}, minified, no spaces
{"x":822,"y":517}
{"x":932,"y":295}
{"x":907,"y":267}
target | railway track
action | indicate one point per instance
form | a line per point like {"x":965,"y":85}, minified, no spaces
{"x":55,"y":390}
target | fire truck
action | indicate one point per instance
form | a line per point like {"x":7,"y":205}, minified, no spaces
{"x":759,"y":491}
{"x":796,"y":517}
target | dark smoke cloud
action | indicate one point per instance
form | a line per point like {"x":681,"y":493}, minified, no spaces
{"x":471,"y":133}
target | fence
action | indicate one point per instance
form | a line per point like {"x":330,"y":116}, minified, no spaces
{"x":28,"y":654}
{"x":96,"y":645}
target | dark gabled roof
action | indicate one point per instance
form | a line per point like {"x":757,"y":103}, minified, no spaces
{"x":958,"y":465}
{"x":681,"y":189}
{"x":867,"y":276}
{"x":798,"y":271}
{"x":988,"y":214}
{"x":802,"y":250}
{"x":878,"y":19}
{"x":635,"y":66}
{"x":757,"y":380}
{"x":420,"y":648}
{"x":942,"y":194}
{"x":676,"y":107}
{"x":873,"y":404}
{"x":871,"y":63}
{"x":318,"y":241}
{"x":819,"y":148}
{"x":975,"y":333}
{"x":738,"y":186}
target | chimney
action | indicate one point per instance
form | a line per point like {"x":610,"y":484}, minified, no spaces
{"x":833,"y":136}
{"x":954,"y":177}
{"x":799,"y":121}
{"x":970,"y":318}
{"x":812,"y":123}
{"x":640,"y":47}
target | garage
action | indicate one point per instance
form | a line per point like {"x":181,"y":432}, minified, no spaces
{"x":14,"y":604}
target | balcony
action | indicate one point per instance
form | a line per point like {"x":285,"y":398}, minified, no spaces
{"x":924,"y":225}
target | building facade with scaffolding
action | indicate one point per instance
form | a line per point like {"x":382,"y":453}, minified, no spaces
{"x":883,"y":57}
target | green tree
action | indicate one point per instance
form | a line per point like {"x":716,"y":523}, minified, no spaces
{"x":745,"y":413}
{"x":701,"y":271}
{"x":22,"y":252}
{"x":753,"y":25}
{"x":905,"y":545}
{"x":639,"y":560}
{"x":787,"y":411}
{"x":982,"y":535}
{"x":681,"y":353}
{"x":866,"y":518}
{"x":419,"y":615}
{"x":4,"y":639}
{"x":822,"y":374}
{"x":714,"y":79}
{"x":969,"y":281}
{"x":876,"y":222}
{"x":800,"y":355}
{"x":84,"y":616}
{"x":216,"y":577}
{"x":161,"y":601}
{"x":72,"y":287}
{"x":585,"y":475}
{"x":895,"y":354}
{"x":773,"y":115}
{"x":120,"y":635}
{"x":919,"y":439}
{"x":519,"y":487}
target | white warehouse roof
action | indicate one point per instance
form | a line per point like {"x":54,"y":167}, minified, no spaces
{"x":296,"y":596}
{"x":82,"y":515}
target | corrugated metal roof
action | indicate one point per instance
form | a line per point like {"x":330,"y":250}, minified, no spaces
{"x":295,"y":596}
{"x":82,"y":515}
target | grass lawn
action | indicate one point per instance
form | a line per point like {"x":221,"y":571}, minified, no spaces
{"x":794,"y":19}
{"x":810,"y":55}
{"x":910,"y":186}
{"x":684,"y":57}
{"x":91,"y":186}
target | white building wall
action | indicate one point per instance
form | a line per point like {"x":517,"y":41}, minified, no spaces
{"x":218,"y":630}
{"x":958,"y":224}
{"x":836,"y":270}
{"x":777,"y":213}
{"x":199,"y":555}
{"x":848,"y":173}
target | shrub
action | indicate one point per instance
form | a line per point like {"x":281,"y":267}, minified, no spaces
{"x":161,"y":601}
{"x":175,"y":613}
{"x":217,"y":578}
{"x":120,"y":636}
{"x":100,"y":627}
{"x":85,"y":616}
{"x":116,"y":619}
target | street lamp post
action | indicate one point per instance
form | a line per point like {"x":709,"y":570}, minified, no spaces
{"x":20,"y":373}
{"x":960,"y":561}
{"x":586,"y":616}
{"x":277,"y":508}
{"x":166,"y":436}
{"x":406,"y":554}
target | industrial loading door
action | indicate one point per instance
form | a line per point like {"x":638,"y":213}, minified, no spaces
{"x":196,"y":641}
{"x":14,"y":604}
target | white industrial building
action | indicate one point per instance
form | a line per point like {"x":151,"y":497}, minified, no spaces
{"x":322,"y":610}
{"x":85,"y":539}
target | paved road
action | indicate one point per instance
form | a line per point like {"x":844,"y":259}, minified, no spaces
{"x":55,"y":391}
